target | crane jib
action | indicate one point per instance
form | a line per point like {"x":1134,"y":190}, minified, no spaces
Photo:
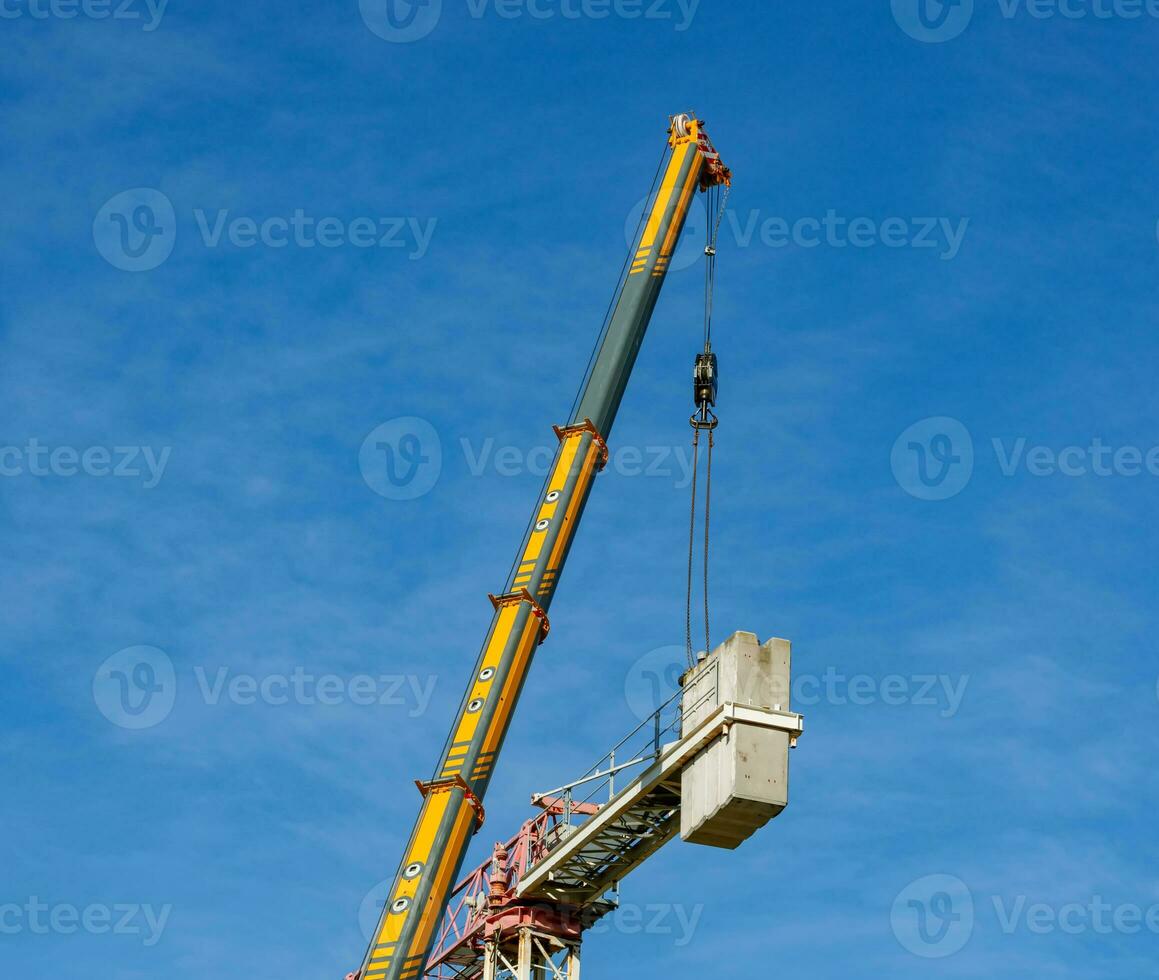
{"x":452,"y":808}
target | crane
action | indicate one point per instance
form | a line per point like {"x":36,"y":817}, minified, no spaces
{"x":452,"y":799}
{"x":710,"y":766}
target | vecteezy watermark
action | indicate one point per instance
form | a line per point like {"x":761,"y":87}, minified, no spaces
{"x":301,"y":230}
{"x":136,"y":688}
{"x":148,"y":13}
{"x":300,"y":687}
{"x":657,"y":919}
{"x":1092,"y":915}
{"x":37,"y":918}
{"x":653,"y":462}
{"x":935,"y":916}
{"x":936,"y":21}
{"x":371,"y":907}
{"x":934,"y":459}
{"x":933,"y":21}
{"x":653,"y":679}
{"x":125,"y":462}
{"x":673,"y":920}
{"x":136,"y":230}
{"x":405,"y":21}
{"x":943,"y":235}
{"x":403,"y":459}
{"x":1097,"y":458}
{"x":945,"y":692}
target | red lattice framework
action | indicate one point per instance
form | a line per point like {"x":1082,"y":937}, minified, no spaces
{"x":484,"y":906}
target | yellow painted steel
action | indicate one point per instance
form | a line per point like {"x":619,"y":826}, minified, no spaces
{"x":491,"y":658}
{"x":510,"y":693}
{"x":437,"y":803}
{"x":551,"y":502}
{"x":574,"y":505}
{"x":674,"y":139}
{"x":434,"y":809}
{"x":691,"y":183}
{"x":667,"y":189}
{"x":433,"y":912}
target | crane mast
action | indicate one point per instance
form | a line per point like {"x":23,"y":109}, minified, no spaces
{"x":452,"y":807}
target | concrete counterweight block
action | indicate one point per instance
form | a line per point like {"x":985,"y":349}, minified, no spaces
{"x":740,"y":780}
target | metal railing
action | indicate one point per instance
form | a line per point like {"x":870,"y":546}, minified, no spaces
{"x":634,"y":752}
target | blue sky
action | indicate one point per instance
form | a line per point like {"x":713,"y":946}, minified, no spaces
{"x":935,"y":318}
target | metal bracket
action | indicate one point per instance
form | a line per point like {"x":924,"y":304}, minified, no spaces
{"x":715,"y":172}
{"x":789,"y":722}
{"x":559,"y":805}
{"x":537,"y":610}
{"x":456,"y":782}
{"x":587,"y":425}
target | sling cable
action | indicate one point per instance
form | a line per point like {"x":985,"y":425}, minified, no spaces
{"x":704,"y":388}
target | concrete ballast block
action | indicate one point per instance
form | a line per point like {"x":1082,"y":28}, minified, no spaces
{"x":740,"y":780}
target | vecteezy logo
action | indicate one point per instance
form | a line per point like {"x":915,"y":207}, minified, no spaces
{"x":136,"y":687}
{"x":401,"y":21}
{"x":691,"y":244}
{"x":370,"y":911}
{"x":933,"y":21}
{"x":136,"y":230}
{"x":933,"y":917}
{"x":653,"y":679}
{"x":933,"y":459}
{"x":402,"y":459}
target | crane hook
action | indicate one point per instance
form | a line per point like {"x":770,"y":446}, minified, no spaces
{"x":704,"y":385}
